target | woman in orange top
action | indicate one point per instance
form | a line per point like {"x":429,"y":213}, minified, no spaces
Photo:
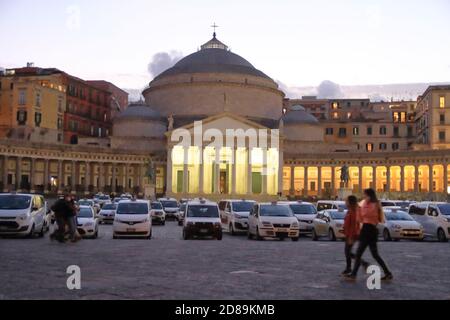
{"x":370,"y":216}
{"x":351,"y":232}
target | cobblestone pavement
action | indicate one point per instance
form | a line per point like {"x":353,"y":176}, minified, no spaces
{"x":167,"y":267}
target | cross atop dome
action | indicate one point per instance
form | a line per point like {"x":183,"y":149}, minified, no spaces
{"x":214,"y":43}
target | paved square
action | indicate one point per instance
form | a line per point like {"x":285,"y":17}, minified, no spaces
{"x":167,"y":267}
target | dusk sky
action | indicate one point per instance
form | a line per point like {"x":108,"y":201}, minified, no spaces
{"x":299,"y":43}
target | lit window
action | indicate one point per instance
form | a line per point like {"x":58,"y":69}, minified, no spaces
{"x":403,"y":117}
{"x":441,"y":102}
{"x":396,"y":117}
{"x":369,"y":147}
{"x":356,"y":131}
{"x":335,"y":115}
{"x":335,"y":105}
{"x":349,"y":115}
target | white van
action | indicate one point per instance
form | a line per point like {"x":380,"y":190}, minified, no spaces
{"x":202,"y":219}
{"x":234,"y":215}
{"x":305,"y":212}
{"x":133,"y":219}
{"x":22,"y":214}
{"x":434,"y":218}
{"x":171,"y":207}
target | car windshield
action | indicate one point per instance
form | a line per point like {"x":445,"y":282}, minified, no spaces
{"x":303,"y":209}
{"x":156,"y":206}
{"x":403,"y":204}
{"x":104,"y":198}
{"x":275,"y":211}
{"x":342,"y":206}
{"x":85,"y":203}
{"x":197,"y":211}
{"x":85,"y":213}
{"x":14,"y":202}
{"x":242,"y":206}
{"x":338,"y":215}
{"x":397,"y":216}
{"x":109,"y":207}
{"x":132,"y":208}
{"x":444,"y":208}
{"x":169,"y":204}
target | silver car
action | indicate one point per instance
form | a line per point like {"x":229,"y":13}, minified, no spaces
{"x":107,"y":213}
{"x":330,"y":224}
{"x":400,"y":225}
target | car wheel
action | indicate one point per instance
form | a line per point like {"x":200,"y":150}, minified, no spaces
{"x":42,"y":232}
{"x":114,"y":237}
{"x":314,"y":235}
{"x":231,"y":228}
{"x":219,"y":236}
{"x":258,"y":237}
{"x":331,"y":235}
{"x":163,"y":223}
{"x":31,"y":233}
{"x":249,"y":235}
{"x":180,"y":223}
{"x":441,"y":235}
{"x":386,"y":235}
{"x":185,"y":235}
{"x":295,"y":239}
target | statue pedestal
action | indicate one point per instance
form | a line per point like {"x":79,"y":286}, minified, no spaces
{"x":343,"y":193}
{"x":149,"y":191}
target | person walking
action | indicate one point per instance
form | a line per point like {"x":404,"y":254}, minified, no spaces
{"x":371,"y":214}
{"x":71,"y":219}
{"x":351,"y":232}
{"x":60,"y":209}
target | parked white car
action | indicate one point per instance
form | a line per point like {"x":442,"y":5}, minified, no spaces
{"x":330,"y":204}
{"x":87,"y":222}
{"x":202,"y":220}
{"x":171,"y":207}
{"x":234,"y":215}
{"x":305,"y":213}
{"x":133,"y":219}
{"x":89,"y":202}
{"x":107,"y":213}
{"x":399,"y":225}
{"x":272,"y":220}
{"x":434,"y":217}
{"x":157,"y":213}
{"x":329,"y":223}
{"x":22,"y":214}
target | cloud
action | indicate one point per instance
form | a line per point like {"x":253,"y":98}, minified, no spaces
{"x":162,"y":61}
{"x":329,"y":90}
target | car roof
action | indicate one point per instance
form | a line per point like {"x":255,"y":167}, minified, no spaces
{"x":167,"y":199}
{"x":85,"y":207}
{"x":331,"y":201}
{"x":235,"y":200}
{"x":204,"y":202}
{"x":134,"y":201}
{"x":18,"y":194}
{"x":295,"y":202}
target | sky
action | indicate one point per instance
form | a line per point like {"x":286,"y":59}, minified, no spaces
{"x":299,"y":43}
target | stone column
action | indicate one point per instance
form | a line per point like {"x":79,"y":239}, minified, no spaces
{"x":5,"y":174}
{"x":87,"y":177}
{"x":264,"y":173}
{"x":73,"y":177}
{"x":292,"y":181}
{"x":60,"y":176}
{"x":46,"y":175}
{"x":249,"y":172}
{"x":319,"y":181}
{"x":32,"y":169}
{"x":217,"y":172}
{"x":169,"y":171}
{"x":430,"y":178}
{"x":201,"y":173}
{"x":374,"y":178}
{"x":101,"y":177}
{"x":416,"y":178}
{"x":360,"y":179}
{"x":388,"y":178}
{"x":280,"y":168}
{"x":402,"y":178}
{"x":234,"y":172}
{"x":306,"y":186}
{"x":113,"y":178}
{"x":127,"y":176}
{"x":333,"y":180}
{"x":185,"y":170}
{"x":445,"y":178}
{"x":18,"y":173}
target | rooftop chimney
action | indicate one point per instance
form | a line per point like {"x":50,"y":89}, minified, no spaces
{"x":30,"y":64}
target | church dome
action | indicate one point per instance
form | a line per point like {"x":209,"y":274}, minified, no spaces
{"x":213,"y":57}
{"x":299,"y":115}
{"x":139,"y":110}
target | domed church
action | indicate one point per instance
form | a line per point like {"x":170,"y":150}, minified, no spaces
{"x":188,"y":114}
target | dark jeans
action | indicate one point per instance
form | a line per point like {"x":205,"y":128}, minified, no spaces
{"x":369,"y":238}
{"x":349,"y":255}
{"x":72,"y":223}
{"x":60,"y":231}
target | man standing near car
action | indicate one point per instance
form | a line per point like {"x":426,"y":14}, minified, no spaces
{"x":60,"y":208}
